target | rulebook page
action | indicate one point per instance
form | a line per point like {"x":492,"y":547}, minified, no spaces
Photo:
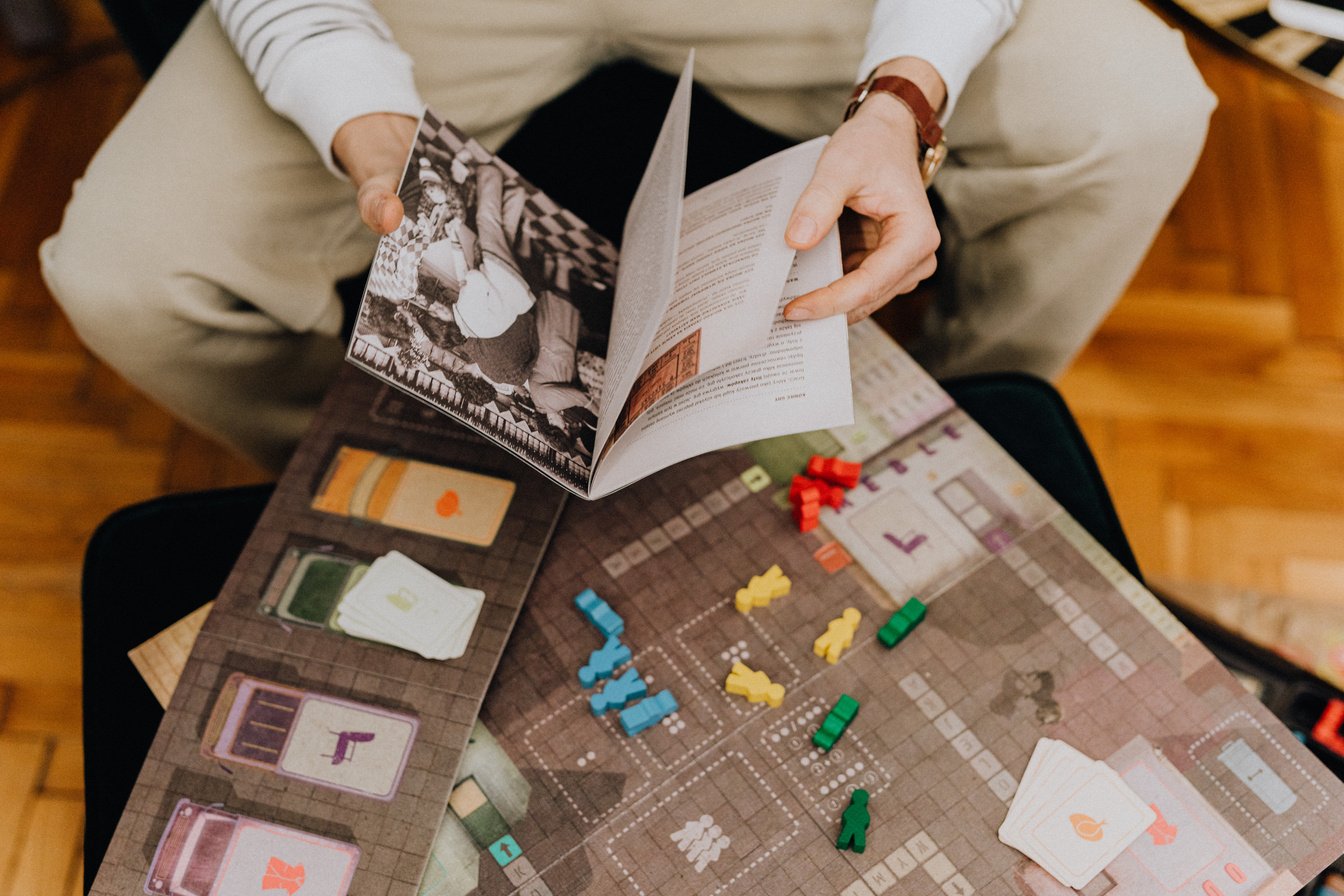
{"x":799,"y":381}
{"x":645,"y":275}
{"x":732,"y":262}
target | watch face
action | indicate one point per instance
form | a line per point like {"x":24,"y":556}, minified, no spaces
{"x":933,"y":159}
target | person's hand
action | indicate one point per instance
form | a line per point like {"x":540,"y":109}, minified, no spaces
{"x":870,"y":166}
{"x":372,"y":150}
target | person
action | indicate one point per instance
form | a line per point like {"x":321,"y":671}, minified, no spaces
{"x":553,"y":381}
{"x":538,"y":352}
{"x":198,"y":254}
{"x":479,"y":261}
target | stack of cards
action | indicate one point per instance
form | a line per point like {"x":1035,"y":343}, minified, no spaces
{"x":401,"y":603}
{"x":1073,"y":815}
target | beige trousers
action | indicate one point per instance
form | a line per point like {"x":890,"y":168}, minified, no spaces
{"x":199,"y":252}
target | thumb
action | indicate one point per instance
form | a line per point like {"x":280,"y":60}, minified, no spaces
{"x":818,"y":208}
{"x":379,"y":206}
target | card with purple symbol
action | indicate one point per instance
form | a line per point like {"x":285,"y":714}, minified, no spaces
{"x":311,"y":737}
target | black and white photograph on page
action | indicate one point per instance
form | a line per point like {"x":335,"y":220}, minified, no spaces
{"x":491,"y":303}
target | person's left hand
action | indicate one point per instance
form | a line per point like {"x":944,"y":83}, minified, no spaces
{"x":870,"y":166}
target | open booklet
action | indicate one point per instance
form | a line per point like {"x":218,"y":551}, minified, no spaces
{"x":504,"y":311}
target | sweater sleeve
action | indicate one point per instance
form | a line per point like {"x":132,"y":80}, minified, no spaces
{"x":953,"y":36}
{"x":321,"y":63}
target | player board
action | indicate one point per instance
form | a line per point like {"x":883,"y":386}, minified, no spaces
{"x":292,"y":756}
{"x":1032,"y":631}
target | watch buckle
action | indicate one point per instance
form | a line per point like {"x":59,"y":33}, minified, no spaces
{"x":931,"y":160}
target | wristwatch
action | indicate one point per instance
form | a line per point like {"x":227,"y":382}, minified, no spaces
{"x":932,"y":144}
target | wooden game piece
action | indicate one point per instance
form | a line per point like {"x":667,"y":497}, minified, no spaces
{"x":619,"y":693}
{"x":839,"y":635}
{"x":742,"y":600}
{"x":762,"y":589}
{"x":913,"y":610}
{"x":603,"y":661}
{"x":599,"y":613}
{"x":778,"y":583}
{"x":756,"y":686}
{"x":833,"y":496}
{"x":901,"y":623}
{"x":834,"y":470}
{"x":807,"y":497}
{"x":854,"y":823}
{"x":807,"y":516}
{"x":835,"y":723}
{"x":803,"y":490}
{"x":648,"y":712}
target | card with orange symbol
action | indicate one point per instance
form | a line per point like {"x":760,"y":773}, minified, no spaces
{"x":208,"y":849}
{"x":1072,"y":814}
{"x":1087,"y":823}
{"x":415,"y":495}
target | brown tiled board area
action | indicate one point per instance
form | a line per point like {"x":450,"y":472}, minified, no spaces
{"x":939,"y":742}
{"x":394,"y":837}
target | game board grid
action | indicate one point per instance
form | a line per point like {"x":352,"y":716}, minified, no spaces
{"x":1091,"y":620}
{"x":647,"y":588}
{"x":1016,"y":736}
{"x":1167,"y":705}
{"x":544,"y":575}
{"x":1241,"y":724}
{"x":707,"y":579}
{"x":1104,"y":703}
{"x":906,"y":464}
{"x":562,"y":553}
{"x":748,"y":802}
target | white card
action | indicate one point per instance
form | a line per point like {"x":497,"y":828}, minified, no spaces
{"x":1082,"y":831}
{"x":1072,"y":815}
{"x":401,"y":603}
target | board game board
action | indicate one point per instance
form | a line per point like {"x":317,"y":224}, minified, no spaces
{"x":321,"y":773}
{"x":1032,"y":630}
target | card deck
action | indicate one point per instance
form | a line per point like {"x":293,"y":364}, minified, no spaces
{"x":1073,"y":815}
{"x":401,"y":603}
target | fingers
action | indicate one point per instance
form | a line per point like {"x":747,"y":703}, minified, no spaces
{"x":820,"y":204}
{"x":379,"y":206}
{"x":904,"y":257}
{"x":921,"y":273}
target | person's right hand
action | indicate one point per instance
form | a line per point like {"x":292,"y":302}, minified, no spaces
{"x":372,"y":149}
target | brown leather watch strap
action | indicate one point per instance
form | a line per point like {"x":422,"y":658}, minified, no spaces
{"x":909,"y":94}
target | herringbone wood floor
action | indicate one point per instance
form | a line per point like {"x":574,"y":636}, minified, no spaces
{"x":1213,"y":397}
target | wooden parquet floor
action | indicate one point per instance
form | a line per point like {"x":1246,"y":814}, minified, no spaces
{"x":1213,"y":398}
{"x":76,"y":443}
